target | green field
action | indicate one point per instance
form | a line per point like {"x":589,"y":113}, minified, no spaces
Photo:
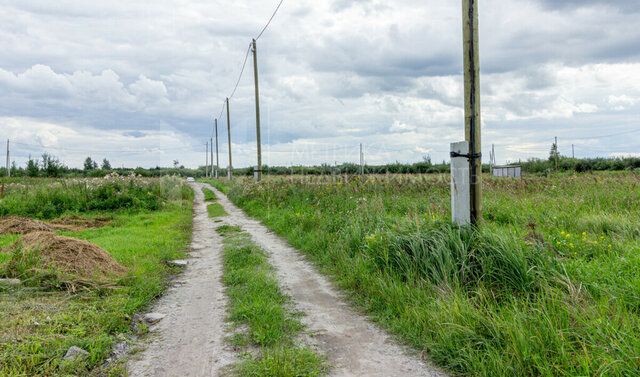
{"x":150,"y":224}
{"x":548,"y":285}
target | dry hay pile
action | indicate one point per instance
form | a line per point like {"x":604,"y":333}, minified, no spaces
{"x":21,"y":225}
{"x":79,"y":223}
{"x":70,"y":255}
{"x":24,"y":225}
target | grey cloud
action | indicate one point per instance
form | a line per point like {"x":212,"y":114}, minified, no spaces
{"x":622,"y":5}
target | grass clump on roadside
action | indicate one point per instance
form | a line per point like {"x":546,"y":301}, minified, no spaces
{"x":41,"y":318}
{"x":216,"y":210}
{"x":209,"y":195}
{"x":226,"y":229}
{"x":547,"y":286}
{"x":257,"y":302}
{"x":223,"y":185}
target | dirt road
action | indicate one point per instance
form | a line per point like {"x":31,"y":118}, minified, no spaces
{"x":189,"y":341}
{"x":353,"y":345}
{"x":191,"y":337}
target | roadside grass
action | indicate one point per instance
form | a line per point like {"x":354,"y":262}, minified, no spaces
{"x":209,"y":195}
{"x":547,"y":286}
{"x":38,"y":324}
{"x":257,"y":303}
{"x":220,"y":184}
{"x":216,"y":210}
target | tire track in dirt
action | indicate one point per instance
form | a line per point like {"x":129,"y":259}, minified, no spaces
{"x":352,"y":344}
{"x":191,"y":335}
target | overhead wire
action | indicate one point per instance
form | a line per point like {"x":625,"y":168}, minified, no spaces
{"x":270,"y":19}
{"x":246,"y":57}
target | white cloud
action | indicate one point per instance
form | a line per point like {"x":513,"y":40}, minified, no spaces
{"x":367,"y":71}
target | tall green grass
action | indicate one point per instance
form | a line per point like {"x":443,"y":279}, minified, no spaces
{"x":39,"y":322}
{"x":47,"y":199}
{"x":547,"y":286}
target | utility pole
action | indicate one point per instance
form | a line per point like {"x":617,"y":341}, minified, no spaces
{"x":361,"y":161}
{"x":206,"y":164}
{"x":255,"y":77}
{"x":557,"y":152}
{"x":217,"y":160}
{"x":472,"y":104}
{"x":8,"y":170}
{"x":230,"y":169}
{"x":211,"y":150}
{"x":573,"y":152}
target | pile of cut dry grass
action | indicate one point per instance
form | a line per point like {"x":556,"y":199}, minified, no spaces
{"x":50,"y":260}
{"x":23,"y":225}
{"x":70,"y":255}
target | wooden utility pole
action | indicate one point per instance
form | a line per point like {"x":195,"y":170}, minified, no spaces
{"x":573,"y":152}
{"x":361,"y":161}
{"x":230,"y":169}
{"x":556,"y":151}
{"x":472,"y":104}
{"x":217,"y":160}
{"x":211,"y":154}
{"x":8,"y":170}
{"x":206,"y":165}
{"x":255,"y":77}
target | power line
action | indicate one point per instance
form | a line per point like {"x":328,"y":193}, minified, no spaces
{"x":245,"y":60}
{"x":272,"y":16}
{"x":241,"y":72}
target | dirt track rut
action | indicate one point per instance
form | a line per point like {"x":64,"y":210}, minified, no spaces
{"x":353,"y":345}
{"x":190,"y":339}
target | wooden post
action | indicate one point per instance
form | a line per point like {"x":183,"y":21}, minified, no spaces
{"x":472,"y":104}
{"x":211,"y":151}
{"x":230,"y":169}
{"x":361,"y":161}
{"x":255,"y":77}
{"x":556,"y":151}
{"x":206,"y":164}
{"x":217,"y":160}
{"x":573,"y":152}
{"x":8,"y":168}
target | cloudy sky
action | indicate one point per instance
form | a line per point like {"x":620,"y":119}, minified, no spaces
{"x":140,"y":82}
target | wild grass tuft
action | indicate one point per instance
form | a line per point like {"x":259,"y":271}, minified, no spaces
{"x":257,"y":302}
{"x":209,"y":195}
{"x":216,"y":210}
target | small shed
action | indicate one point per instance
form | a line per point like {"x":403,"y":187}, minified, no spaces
{"x":513,"y":171}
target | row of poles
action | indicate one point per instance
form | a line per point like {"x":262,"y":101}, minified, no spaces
{"x":471,"y":110}
{"x":258,"y":170}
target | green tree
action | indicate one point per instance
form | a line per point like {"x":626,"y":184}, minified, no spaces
{"x":33,"y":167}
{"x":89,"y":164}
{"x":51,"y":166}
{"x":106,"y":165}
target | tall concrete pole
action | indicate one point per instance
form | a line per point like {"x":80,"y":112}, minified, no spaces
{"x":255,"y":77}
{"x":472,"y":103}
{"x":217,"y":160}
{"x":206,"y":164}
{"x":230,"y":169}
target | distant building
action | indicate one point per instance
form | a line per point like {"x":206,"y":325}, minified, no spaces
{"x":513,"y":171}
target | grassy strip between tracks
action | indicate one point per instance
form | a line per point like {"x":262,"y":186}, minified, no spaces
{"x":209,"y":195}
{"x":38,"y":324}
{"x":262,"y":314}
{"x":547,"y":286}
{"x":216,"y":210}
